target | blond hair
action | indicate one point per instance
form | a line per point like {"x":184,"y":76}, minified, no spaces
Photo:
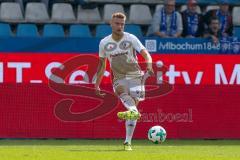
{"x":119,"y":15}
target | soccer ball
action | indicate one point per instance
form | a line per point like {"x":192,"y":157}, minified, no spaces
{"x":157,"y":134}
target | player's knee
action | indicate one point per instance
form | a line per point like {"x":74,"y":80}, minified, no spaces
{"x":119,"y":90}
{"x":136,"y":101}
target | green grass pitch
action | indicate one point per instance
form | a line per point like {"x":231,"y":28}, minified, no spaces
{"x":113,"y":150}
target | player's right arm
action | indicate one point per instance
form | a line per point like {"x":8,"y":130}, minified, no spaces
{"x":100,"y":70}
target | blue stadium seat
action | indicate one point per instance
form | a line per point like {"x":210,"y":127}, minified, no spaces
{"x":134,"y":29}
{"x":27,"y":30}
{"x":236,"y":31}
{"x":103,"y":30}
{"x":53,"y":30}
{"x":78,"y":30}
{"x":5,"y":30}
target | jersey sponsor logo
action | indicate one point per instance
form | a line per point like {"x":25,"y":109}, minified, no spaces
{"x":118,"y":54}
{"x":124,"y":45}
{"x":110,"y":46}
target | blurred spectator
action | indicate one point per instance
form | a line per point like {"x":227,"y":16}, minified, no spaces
{"x":224,"y":16}
{"x":166,"y":21}
{"x":193,"y":25}
{"x":213,"y":30}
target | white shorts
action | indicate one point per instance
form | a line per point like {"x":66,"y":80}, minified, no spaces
{"x":133,"y":86}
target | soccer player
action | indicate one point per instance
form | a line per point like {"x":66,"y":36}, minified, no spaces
{"x":120,"y":49}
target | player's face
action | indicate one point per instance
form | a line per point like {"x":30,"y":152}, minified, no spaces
{"x":117,"y":25}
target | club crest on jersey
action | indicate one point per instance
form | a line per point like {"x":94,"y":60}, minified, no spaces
{"x":110,"y":46}
{"x":124,"y":45}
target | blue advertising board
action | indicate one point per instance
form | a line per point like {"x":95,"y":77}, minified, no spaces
{"x":90,"y":45}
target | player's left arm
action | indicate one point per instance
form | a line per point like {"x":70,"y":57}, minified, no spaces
{"x":138,"y":46}
{"x":148,"y":60}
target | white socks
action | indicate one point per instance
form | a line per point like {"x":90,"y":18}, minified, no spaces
{"x":128,"y":102}
{"x":130,"y":127}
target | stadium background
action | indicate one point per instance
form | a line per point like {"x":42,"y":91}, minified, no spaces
{"x":202,"y":108}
